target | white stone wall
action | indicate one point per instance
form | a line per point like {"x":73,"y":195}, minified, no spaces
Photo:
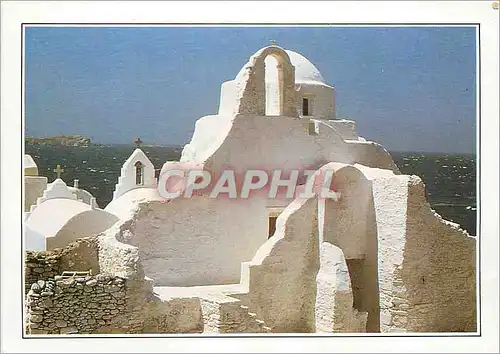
{"x":371,"y":154}
{"x":209,"y":133}
{"x":426,"y":266}
{"x":334,"y":309}
{"x":281,"y":278}
{"x":118,"y":258}
{"x":438,"y":271}
{"x":346,"y":220}
{"x":276,"y":142}
{"x":350,"y":224}
{"x":197,"y":241}
{"x":346,"y":128}
{"x":227,"y":98}
{"x":87,"y":223}
{"x":390,"y":195}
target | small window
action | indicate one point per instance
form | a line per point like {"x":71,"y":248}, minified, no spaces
{"x":305,"y":106}
{"x":272,"y":226}
{"x":139,"y":173}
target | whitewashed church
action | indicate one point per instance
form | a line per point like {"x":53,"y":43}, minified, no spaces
{"x":375,"y":259}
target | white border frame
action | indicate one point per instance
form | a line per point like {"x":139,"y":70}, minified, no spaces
{"x":14,"y":13}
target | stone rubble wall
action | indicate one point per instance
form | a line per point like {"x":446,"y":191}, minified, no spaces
{"x":120,"y":299}
{"x":80,"y":255}
{"x":76,"y":305}
{"x":105,"y":304}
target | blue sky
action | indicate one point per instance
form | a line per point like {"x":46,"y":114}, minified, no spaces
{"x":407,"y":88}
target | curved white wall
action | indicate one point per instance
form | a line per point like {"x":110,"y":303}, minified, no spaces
{"x":209,"y":133}
{"x":277,"y":142}
{"x":87,"y":223}
{"x":198,"y":241}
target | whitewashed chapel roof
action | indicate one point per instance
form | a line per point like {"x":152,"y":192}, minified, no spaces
{"x":54,"y":215}
{"x":51,"y":215}
{"x":125,"y":205}
{"x":127,"y":179}
{"x":305,"y":71}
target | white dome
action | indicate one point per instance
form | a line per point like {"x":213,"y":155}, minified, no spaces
{"x":305,"y":71}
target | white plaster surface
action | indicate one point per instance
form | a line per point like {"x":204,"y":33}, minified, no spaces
{"x":286,"y":264}
{"x":334,"y":308}
{"x":346,"y":128}
{"x":280,"y":142}
{"x":73,"y":220}
{"x":126,"y":205}
{"x":176,"y":250}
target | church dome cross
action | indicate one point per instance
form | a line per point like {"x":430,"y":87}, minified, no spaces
{"x":58,"y":170}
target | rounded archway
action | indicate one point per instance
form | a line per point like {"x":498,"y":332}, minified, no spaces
{"x":251,"y":94}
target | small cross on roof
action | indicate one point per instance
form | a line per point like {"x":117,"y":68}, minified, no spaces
{"x":138,"y":142}
{"x":58,"y":170}
{"x":273,"y":42}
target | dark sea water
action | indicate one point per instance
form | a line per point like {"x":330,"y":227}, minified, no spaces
{"x":450,"y":179}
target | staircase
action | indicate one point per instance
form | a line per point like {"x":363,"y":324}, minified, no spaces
{"x":254,"y":325}
{"x":224,"y":314}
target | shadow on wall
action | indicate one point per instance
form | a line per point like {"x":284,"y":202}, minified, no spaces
{"x":350,"y":224}
{"x":281,"y":277}
{"x":438,"y":271}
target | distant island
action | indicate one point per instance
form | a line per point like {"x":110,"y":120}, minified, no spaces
{"x":60,"y":140}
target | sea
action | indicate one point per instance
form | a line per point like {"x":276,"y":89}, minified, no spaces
{"x":450,"y":178}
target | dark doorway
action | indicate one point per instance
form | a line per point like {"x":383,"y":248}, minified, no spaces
{"x":272,"y":226}
{"x":305,"y":106}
